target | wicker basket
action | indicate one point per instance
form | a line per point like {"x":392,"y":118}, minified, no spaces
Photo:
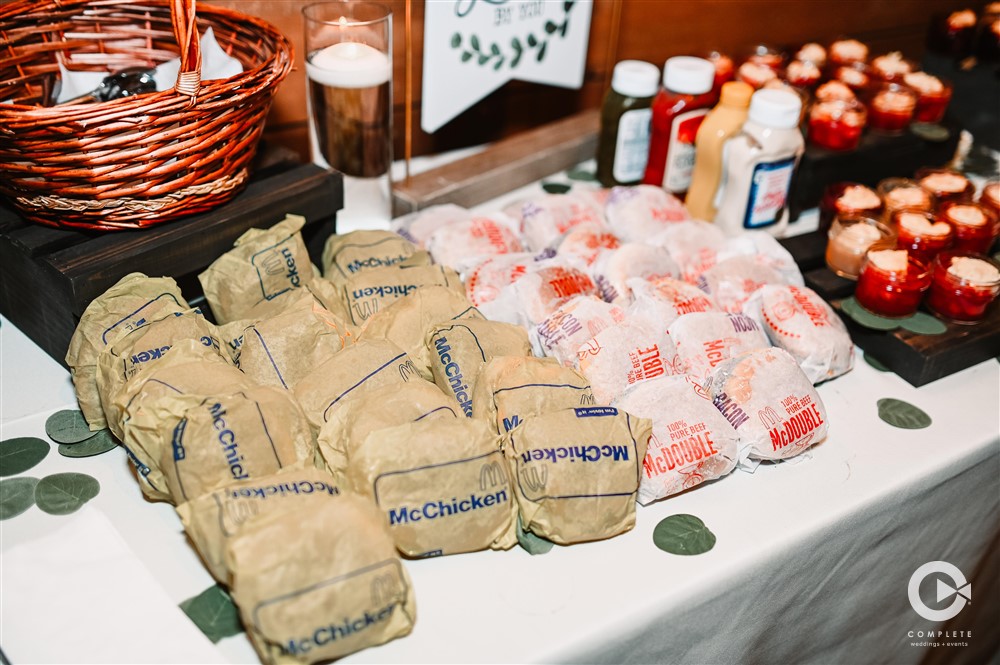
{"x":137,"y":161}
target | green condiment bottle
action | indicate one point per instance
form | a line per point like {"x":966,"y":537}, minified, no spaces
{"x":623,"y":146}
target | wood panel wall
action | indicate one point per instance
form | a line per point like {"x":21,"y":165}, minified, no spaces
{"x":651,"y":30}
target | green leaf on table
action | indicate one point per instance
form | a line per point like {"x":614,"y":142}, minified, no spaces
{"x":456,"y":40}
{"x":100,"y":443}
{"x":930,"y":131}
{"x":20,"y":454}
{"x":581,"y":174}
{"x":865,"y":318}
{"x":875,"y":362}
{"x":556,"y":187}
{"x":214,"y":613}
{"x":474,"y":42}
{"x":68,"y":427}
{"x":466,"y":56}
{"x":16,"y":496}
{"x":924,"y":324}
{"x":65,"y":493}
{"x":902,"y":414}
{"x":683,"y":534}
{"x":530,"y":542}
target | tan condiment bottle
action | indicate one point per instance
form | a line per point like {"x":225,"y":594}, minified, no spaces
{"x":720,"y":124}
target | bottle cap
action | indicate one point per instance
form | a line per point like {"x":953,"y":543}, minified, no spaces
{"x":688,"y":75}
{"x":736,"y":93}
{"x":775,"y":108}
{"x":635,"y":78}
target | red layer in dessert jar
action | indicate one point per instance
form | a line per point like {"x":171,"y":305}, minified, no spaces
{"x":891,"y":108}
{"x":945,"y":184}
{"x":848,"y":199}
{"x":837,"y":124}
{"x":933,"y":96}
{"x":921,"y":234}
{"x":904,"y":194}
{"x":891,"y":283}
{"x":891,"y":67}
{"x":975,"y":225}
{"x":990,"y":197}
{"x":963,"y":285}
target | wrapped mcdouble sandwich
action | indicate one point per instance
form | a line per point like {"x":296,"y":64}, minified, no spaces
{"x":669,"y":299}
{"x":538,"y":292}
{"x":511,"y":388}
{"x":706,"y":339}
{"x":577,"y":472}
{"x":442,"y":485}
{"x":349,"y":254}
{"x":543,"y":220}
{"x":691,"y":441}
{"x":131,"y":303}
{"x":799,"y":321}
{"x":625,"y":354}
{"x":212,"y":519}
{"x":639,"y":212}
{"x":613,"y":268}
{"x":770,"y":403}
{"x":377,"y":409}
{"x":462,"y":243}
{"x":574,"y":322}
{"x":319,"y":581}
{"x":459,"y":349}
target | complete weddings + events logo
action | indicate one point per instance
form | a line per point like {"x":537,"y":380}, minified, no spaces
{"x":950,"y":584}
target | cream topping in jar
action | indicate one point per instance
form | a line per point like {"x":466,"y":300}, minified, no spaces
{"x":945,"y":182}
{"x":924,"y":83}
{"x":857,"y":197}
{"x":849,"y":50}
{"x":892,"y":64}
{"x":918,"y":224}
{"x":859,"y":235}
{"x":852,"y":76}
{"x":889,"y":260}
{"x":812,"y":52}
{"x":973,"y":270}
{"x":965,"y":18}
{"x":834,"y":90}
{"x":755,"y":74}
{"x":802,"y":69}
{"x":905,"y":197}
{"x":968,"y":215}
{"x":891,"y":100}
{"x":991,"y":193}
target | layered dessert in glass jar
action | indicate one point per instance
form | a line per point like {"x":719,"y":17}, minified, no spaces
{"x":812,"y":52}
{"x":755,"y":74}
{"x":975,"y":225}
{"x":849,"y":240}
{"x":855,"y":76}
{"x":904,"y":194}
{"x":847,"y":51}
{"x":891,"y":108}
{"x":933,"y":96}
{"x":834,"y":91}
{"x":921,"y":234}
{"x":945,"y":184}
{"x":962,"y":286}
{"x":802,"y":73}
{"x":837,"y":124}
{"x":891,"y":66}
{"x":990,"y":196}
{"x":848,"y":199}
{"x":891,"y":282}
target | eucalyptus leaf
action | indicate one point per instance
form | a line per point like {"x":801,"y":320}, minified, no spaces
{"x":541,"y":52}
{"x":214,"y":613}
{"x":68,"y":427}
{"x":532,"y":40}
{"x":474,"y":42}
{"x":65,"y":493}
{"x":530,"y":542}
{"x":466,"y":56}
{"x":865,"y":318}
{"x":494,"y":49}
{"x":582,"y":175}
{"x":483,"y":59}
{"x":550,"y":27}
{"x":930,"y":132}
{"x":16,"y":496}
{"x":924,"y":324}
{"x":683,"y":534}
{"x":20,"y":454}
{"x":98,"y":444}
{"x":556,"y":187}
{"x":456,"y":40}
{"x":902,"y":414}
{"x":876,"y":363}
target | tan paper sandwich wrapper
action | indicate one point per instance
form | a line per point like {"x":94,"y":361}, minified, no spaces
{"x":511,"y":388}
{"x":349,"y":254}
{"x":263,"y":266}
{"x":459,"y":349}
{"x":373,"y":290}
{"x":212,"y":519}
{"x":577,"y":471}
{"x":441,"y":484}
{"x":407,"y":320}
{"x":131,"y":303}
{"x":377,"y":409}
{"x":320,"y":581}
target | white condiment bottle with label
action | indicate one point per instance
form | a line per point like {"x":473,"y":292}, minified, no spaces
{"x":623,"y":145}
{"x":758,"y":165}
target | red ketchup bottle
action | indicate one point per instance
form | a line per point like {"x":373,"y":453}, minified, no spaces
{"x":678,"y":110}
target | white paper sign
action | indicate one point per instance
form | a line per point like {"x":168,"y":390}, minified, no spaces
{"x":472,"y":47}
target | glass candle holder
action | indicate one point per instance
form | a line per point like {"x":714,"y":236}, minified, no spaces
{"x":962,"y":286}
{"x":903,"y":194}
{"x":921,"y":234}
{"x":990,"y":197}
{"x":975,"y":225}
{"x":945,"y":184}
{"x":348,"y":48}
{"x":837,"y":124}
{"x":891,"y":108}
{"x":849,"y":239}
{"x":933,"y":96}
{"x":891,"y":67}
{"x":848,"y":199}
{"x":891,"y":282}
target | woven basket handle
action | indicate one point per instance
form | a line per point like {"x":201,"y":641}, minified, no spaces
{"x":182,"y":13}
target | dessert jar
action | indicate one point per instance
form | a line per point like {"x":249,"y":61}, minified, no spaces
{"x":891,"y":282}
{"x":846,"y":52}
{"x":945,"y":184}
{"x":962,"y":286}
{"x":976,"y":227}
{"x":771,"y":57}
{"x":921,"y":234}
{"x":933,"y":96}
{"x":855,"y":76}
{"x":849,"y":239}
{"x":802,"y":74}
{"x":812,"y":52}
{"x":891,"y":66}
{"x":903,"y":194}
{"x":891,"y":108}
{"x":755,"y":74}
{"x":834,"y":91}
{"x":837,"y":124}
{"x":848,"y":199}
{"x":990,"y":196}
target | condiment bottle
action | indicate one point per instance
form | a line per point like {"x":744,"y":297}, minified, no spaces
{"x":758,"y":164}
{"x":625,"y":122}
{"x":719,"y":125}
{"x":678,"y":110}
